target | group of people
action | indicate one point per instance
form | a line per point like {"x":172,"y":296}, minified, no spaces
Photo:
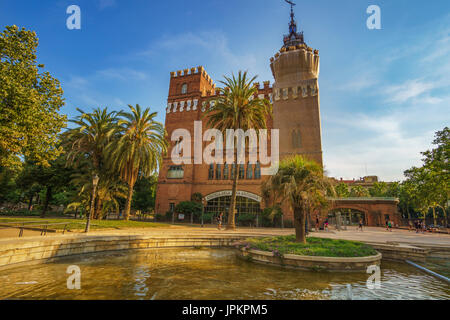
{"x":325,"y":224}
{"x":419,"y":226}
{"x":389,"y":225}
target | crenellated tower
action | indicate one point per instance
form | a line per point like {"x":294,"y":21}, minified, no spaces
{"x":296,"y":103}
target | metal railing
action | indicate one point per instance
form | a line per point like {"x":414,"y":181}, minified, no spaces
{"x":31,"y":224}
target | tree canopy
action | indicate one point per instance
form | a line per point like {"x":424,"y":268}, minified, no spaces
{"x":29,"y":102}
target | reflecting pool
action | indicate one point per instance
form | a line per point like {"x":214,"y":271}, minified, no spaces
{"x":214,"y":274}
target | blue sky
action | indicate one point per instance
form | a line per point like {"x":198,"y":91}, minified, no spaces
{"x":383,"y":92}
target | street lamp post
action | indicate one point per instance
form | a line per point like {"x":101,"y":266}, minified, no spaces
{"x":203,"y":209}
{"x":91,"y":213}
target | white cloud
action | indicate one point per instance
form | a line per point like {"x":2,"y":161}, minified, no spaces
{"x":203,"y":44}
{"x":408,"y":90}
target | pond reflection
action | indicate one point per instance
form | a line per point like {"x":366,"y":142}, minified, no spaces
{"x":206,"y":274}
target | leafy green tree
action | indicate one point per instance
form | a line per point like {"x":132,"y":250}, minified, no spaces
{"x":29,"y":102}
{"x":303,"y":185}
{"x":342,"y":190}
{"x":145,"y":193}
{"x":53,"y":178}
{"x":237,"y":107}
{"x":191,"y":208}
{"x":379,"y":189}
{"x":139,"y":148}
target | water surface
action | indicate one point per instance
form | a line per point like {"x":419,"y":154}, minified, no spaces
{"x":214,"y":274}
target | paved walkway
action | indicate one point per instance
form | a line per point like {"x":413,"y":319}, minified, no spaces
{"x":375,"y":235}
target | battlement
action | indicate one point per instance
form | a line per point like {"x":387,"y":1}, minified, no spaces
{"x":192,"y":71}
{"x":266,"y":85}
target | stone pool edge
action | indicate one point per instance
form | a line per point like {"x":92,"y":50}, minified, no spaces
{"x":34,"y":251}
{"x":311,"y":263}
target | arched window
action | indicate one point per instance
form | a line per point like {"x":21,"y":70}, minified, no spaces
{"x":258,"y":170}
{"x":218,"y":172}
{"x":211,"y":172}
{"x":184,"y":88}
{"x":225,"y":171}
{"x":175,"y":172}
{"x":249,"y":171}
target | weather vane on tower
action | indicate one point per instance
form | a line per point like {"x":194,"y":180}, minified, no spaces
{"x":294,"y":37}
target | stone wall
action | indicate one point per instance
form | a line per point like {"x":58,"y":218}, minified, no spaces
{"x":36,"y":250}
{"x":312,"y":263}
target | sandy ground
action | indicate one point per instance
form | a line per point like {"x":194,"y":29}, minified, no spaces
{"x":370,"y":234}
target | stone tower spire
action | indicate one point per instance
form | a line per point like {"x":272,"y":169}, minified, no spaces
{"x":296,"y":103}
{"x":293,"y":38}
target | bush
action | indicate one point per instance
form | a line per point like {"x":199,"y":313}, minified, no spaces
{"x":207,"y":217}
{"x":246,"y":218}
{"x":313,"y":247}
{"x":271,"y":217}
{"x":189,"y":207}
{"x":168,"y":215}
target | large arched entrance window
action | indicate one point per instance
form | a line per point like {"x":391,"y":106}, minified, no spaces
{"x":243,"y":205}
{"x":246,"y":203}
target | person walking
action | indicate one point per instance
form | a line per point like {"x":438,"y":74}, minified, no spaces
{"x":360,"y":227}
{"x":317,"y":223}
{"x":219,"y":221}
{"x":390,"y":226}
{"x":325,"y":225}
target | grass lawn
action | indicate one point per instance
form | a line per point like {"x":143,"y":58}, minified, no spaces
{"x":79,"y":224}
{"x":314,"y":247}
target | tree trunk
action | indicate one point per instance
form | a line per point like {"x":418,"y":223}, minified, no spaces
{"x":434,"y":216}
{"x":30,"y":203}
{"x":76,"y":212}
{"x":231,"y":214}
{"x":48,"y":196}
{"x":299,"y":225}
{"x":128,"y":205}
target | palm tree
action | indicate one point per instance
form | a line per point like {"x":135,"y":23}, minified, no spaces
{"x":86,"y":144}
{"x":359,"y":192}
{"x":303,"y":185}
{"x":88,"y":140}
{"x":237,"y":107}
{"x":138,"y":149}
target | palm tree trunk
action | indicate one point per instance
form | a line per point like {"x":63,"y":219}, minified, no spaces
{"x":231,"y":214}
{"x":299,"y":225}
{"x":128,"y":205}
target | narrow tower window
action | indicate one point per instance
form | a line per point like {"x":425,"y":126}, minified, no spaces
{"x":225,"y":171}
{"x":211,"y":172}
{"x":184,"y":88}
{"x":218,"y":172}
{"x":249,"y":171}
{"x":258,"y":170}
